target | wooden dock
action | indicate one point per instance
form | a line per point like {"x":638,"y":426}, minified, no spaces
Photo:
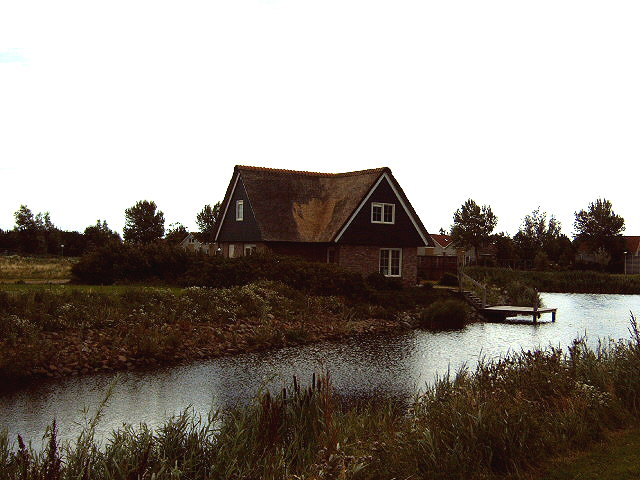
{"x":498,"y":312}
{"x":504,"y":311}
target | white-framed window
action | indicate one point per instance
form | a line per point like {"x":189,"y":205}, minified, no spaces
{"x":383,"y":212}
{"x":391,"y":262}
{"x":239,"y":210}
{"x":232,"y":250}
{"x":249,"y":249}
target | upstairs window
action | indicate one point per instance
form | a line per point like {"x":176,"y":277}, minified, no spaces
{"x":383,"y":212}
{"x":239,"y":210}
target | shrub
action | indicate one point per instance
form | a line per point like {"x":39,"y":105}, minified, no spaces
{"x":449,"y":280}
{"x":125,"y":263}
{"x":521,"y":295}
{"x":377,"y":281}
{"x":541,"y":261}
{"x":450,"y":313}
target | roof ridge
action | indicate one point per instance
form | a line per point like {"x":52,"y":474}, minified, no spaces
{"x":315,"y":174}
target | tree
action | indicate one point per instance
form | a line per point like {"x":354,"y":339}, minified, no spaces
{"x":472,"y":225}
{"x":598,"y":224}
{"x":207,"y":220}
{"x":143,"y":224}
{"x":100,"y":234}
{"x":537,"y":235}
{"x":36,"y":234}
{"x":601,"y":229}
{"x":504,"y":246}
{"x":176,"y":233}
{"x":24,"y":219}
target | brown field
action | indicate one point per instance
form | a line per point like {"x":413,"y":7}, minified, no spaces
{"x":15,"y":268}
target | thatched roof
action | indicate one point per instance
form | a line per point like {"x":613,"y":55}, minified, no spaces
{"x":297,"y":206}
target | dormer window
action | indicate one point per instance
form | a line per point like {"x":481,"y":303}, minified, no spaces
{"x":383,"y":212}
{"x":239,"y":210}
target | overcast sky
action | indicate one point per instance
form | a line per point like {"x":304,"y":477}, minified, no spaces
{"x":514,"y":104}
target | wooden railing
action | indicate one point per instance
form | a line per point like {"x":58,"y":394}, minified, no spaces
{"x":480,"y":287}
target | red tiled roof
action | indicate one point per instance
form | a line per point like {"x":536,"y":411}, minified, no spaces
{"x":632,"y":244}
{"x":443,"y":240}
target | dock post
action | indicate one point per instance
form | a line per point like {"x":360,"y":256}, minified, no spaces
{"x":553,"y":316}
{"x":535,"y":308}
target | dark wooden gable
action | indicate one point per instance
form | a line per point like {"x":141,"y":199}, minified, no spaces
{"x":361,"y":231}
{"x":246,"y":230}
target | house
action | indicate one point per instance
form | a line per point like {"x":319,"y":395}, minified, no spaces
{"x":442,"y":246}
{"x":360,"y":220}
{"x":632,"y":255}
{"x":631,"y":264}
{"x":443,"y":257}
{"x":192,"y":244}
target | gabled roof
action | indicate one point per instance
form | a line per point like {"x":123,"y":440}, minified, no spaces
{"x":443,"y":240}
{"x":632,"y":244}
{"x":299,"y":206}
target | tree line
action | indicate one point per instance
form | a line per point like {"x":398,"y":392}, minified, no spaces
{"x":35,"y":234}
{"x":539,"y":242}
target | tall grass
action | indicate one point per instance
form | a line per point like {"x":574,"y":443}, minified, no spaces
{"x":570,"y":281}
{"x":14,"y":267}
{"x":501,"y":419}
{"x":28,"y":310}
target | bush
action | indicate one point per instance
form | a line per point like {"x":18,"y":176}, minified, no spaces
{"x":126,"y":263}
{"x":377,"y":281}
{"x":449,"y":280}
{"x":541,"y":261}
{"x":521,"y":295}
{"x":450,"y":313}
{"x":312,"y":277}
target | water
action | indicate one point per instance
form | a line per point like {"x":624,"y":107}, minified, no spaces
{"x":396,"y":364}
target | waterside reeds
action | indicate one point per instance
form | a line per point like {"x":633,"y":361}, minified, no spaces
{"x":505,"y":418}
{"x":569,"y":281}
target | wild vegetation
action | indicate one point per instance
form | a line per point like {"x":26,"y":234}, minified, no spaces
{"x":42,"y":269}
{"x":570,"y":281}
{"x":503,"y":419}
{"x":59,"y":330}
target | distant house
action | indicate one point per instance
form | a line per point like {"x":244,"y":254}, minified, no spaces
{"x":360,"y":220}
{"x":632,"y":257}
{"x":443,"y":257}
{"x":631,"y":264}
{"x":192,"y":244}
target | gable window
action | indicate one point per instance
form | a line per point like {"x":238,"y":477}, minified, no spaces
{"x":239,"y":210}
{"x":383,"y":212}
{"x":390,"y":262}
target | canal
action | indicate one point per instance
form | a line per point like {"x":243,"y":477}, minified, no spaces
{"x":394,"y":364}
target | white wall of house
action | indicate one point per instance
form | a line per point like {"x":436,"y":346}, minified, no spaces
{"x":632,"y":263}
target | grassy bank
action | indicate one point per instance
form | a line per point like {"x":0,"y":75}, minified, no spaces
{"x":617,"y":457}
{"x":58,"y":331}
{"x":504,"y":419}
{"x":14,"y":268}
{"x":571,"y":281}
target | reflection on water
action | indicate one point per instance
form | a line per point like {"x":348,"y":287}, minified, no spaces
{"x":396,"y":364}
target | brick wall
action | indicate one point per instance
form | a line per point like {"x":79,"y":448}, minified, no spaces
{"x":365,"y":260}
